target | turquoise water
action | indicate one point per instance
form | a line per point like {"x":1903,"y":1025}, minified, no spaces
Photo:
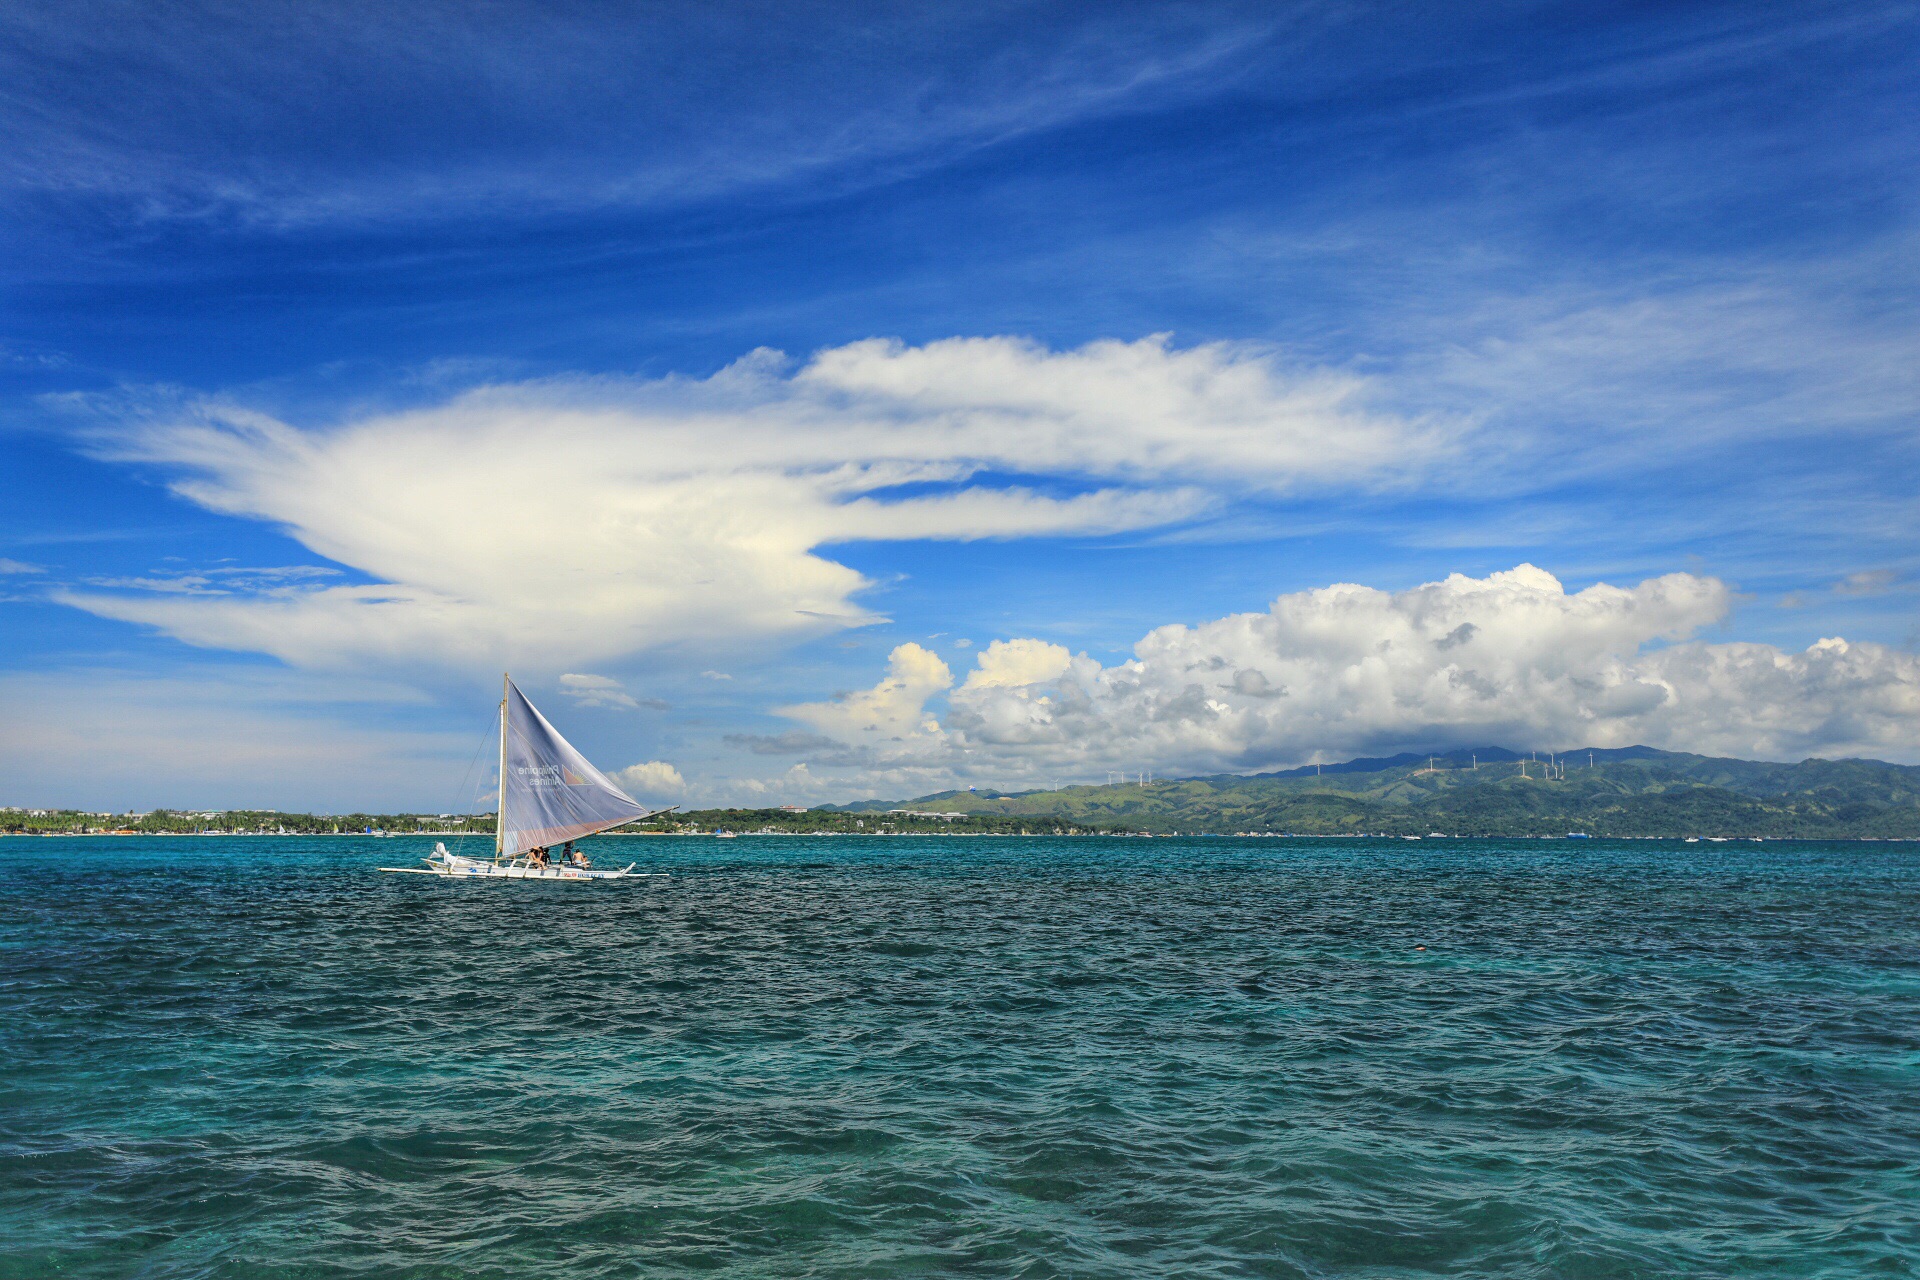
{"x":967,"y":1057}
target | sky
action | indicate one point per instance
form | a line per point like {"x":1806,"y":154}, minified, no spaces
{"x":817,"y":402}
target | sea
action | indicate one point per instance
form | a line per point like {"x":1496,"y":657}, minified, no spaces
{"x":995,"y":1057}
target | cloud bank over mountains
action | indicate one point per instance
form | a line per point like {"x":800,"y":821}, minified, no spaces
{"x":565,"y":522}
{"x":1348,"y":670}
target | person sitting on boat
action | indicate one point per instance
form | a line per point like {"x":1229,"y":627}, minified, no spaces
{"x":537,"y":856}
{"x":576,"y":857}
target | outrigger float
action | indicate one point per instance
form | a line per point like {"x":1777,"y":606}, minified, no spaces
{"x":550,"y":795}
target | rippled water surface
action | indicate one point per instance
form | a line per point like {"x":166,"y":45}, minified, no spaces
{"x":1041,"y":1057}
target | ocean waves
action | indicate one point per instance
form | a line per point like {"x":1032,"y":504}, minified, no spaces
{"x":975,"y":1058}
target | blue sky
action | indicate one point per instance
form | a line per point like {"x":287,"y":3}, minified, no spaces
{"x":351,"y":353}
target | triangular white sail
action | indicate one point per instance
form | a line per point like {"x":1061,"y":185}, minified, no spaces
{"x":549,"y":793}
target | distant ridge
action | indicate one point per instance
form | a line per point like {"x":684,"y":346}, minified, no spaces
{"x":1626,"y":791}
{"x":1375,"y":764}
{"x":1485,"y":755}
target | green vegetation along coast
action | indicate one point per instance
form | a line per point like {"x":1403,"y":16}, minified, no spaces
{"x":1630,"y":792}
{"x":266,"y":822}
{"x":17,"y":820}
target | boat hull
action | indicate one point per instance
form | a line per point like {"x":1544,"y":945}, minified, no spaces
{"x":454,"y":867}
{"x":487,"y":871}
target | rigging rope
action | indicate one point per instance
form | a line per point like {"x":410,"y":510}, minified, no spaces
{"x":466,"y":796}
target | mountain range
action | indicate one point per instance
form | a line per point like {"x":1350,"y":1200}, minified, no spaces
{"x":1491,"y":791}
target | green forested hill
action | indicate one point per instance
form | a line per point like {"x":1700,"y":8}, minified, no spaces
{"x":1636,"y":791}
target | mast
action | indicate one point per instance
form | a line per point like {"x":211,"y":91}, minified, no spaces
{"x":500,"y":807}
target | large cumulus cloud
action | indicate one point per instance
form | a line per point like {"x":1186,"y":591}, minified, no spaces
{"x":1511,"y":658}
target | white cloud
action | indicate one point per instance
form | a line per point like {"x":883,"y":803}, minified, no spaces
{"x":541,"y":525}
{"x":1345,"y":670}
{"x":891,"y":713}
{"x":1868,"y":582}
{"x":1125,"y":409}
{"x":18,"y":566}
{"x":1015,"y":663}
{"x":652,"y":780}
{"x":599,"y":691}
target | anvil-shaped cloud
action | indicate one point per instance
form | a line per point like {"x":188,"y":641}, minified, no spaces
{"x":561,"y":522}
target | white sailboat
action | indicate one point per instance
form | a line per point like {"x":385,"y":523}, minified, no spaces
{"x":550,"y":795}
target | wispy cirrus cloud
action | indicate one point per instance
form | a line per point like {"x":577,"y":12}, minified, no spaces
{"x":604,"y":691}
{"x":1868,"y":582}
{"x":218,"y":581}
{"x":1746,"y":352}
{"x":417,"y":111}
